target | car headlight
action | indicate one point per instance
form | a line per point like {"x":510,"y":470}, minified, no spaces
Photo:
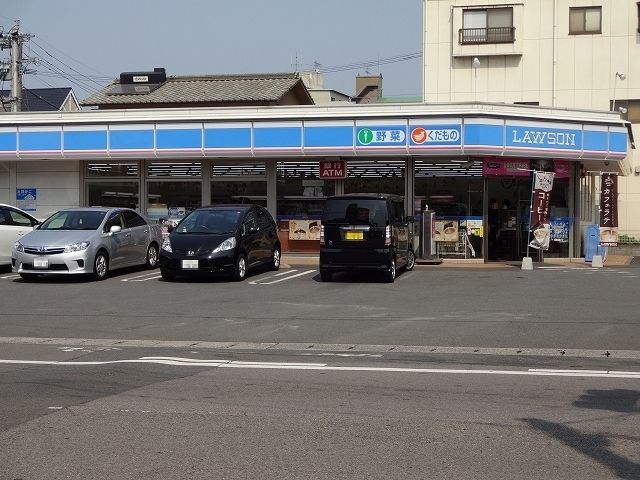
{"x":228,"y":244}
{"x":76,"y":247}
{"x":166,"y":245}
{"x":19,"y":247}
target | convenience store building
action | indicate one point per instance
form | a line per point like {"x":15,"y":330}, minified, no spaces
{"x":458,"y":160}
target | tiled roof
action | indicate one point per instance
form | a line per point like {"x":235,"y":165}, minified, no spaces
{"x":258,"y":88}
{"x":41,"y":99}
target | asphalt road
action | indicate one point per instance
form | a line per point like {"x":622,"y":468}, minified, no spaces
{"x":447,"y":373}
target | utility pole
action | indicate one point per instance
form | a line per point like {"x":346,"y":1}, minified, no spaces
{"x":13,"y":40}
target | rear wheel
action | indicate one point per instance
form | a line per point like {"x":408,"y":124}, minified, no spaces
{"x":274,"y":264}
{"x":152,"y":256}
{"x":100,"y":266}
{"x":240,"y":270}
{"x":325,"y":275}
{"x":390,"y":275}
{"x":29,"y":277}
{"x":411,"y":260}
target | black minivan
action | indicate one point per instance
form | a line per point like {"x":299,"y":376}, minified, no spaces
{"x":222,"y":239}
{"x":365,"y":232}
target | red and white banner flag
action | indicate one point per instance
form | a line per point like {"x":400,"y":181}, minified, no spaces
{"x":541,"y":210}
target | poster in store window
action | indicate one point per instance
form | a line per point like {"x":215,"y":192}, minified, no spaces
{"x":609,"y":210}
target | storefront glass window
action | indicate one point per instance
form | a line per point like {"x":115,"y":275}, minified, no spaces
{"x":173,"y":170}
{"x":113,"y":194}
{"x":301,"y":196}
{"x":375,"y":176}
{"x":172,"y":200}
{"x":235,"y":182}
{"x":509,"y":183}
{"x":454,"y":191}
{"x":118,"y":169}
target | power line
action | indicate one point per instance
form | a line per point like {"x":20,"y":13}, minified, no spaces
{"x":70,"y":57}
{"x":66,"y":65}
{"x":365,"y":64}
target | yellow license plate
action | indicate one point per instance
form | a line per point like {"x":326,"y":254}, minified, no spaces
{"x":354,"y":236}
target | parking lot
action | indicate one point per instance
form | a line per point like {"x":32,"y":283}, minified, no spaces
{"x":554,"y":306}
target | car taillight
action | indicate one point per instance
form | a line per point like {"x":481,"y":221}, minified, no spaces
{"x":387,"y":236}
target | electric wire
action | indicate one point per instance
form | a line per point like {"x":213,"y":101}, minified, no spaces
{"x":65,"y":64}
{"x":371,"y":63}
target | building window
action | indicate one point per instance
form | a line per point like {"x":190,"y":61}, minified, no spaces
{"x":638,"y":4}
{"x":492,"y":25}
{"x":585,"y":20}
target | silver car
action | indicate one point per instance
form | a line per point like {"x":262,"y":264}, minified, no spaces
{"x":87,"y":241}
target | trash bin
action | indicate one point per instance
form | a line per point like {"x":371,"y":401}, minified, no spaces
{"x":592,"y":243}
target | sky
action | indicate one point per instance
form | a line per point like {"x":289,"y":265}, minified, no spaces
{"x":86,"y":43}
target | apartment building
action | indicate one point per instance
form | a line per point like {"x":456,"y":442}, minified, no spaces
{"x":575,"y":54}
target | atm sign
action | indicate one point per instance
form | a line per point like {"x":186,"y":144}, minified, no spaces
{"x":333,"y":169}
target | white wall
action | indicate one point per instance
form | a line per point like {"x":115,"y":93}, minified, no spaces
{"x":57,"y":184}
{"x":4,"y":182}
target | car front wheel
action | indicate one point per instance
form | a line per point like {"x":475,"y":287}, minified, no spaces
{"x":240,"y":270}
{"x":167,"y":276}
{"x":152,"y":256}
{"x":29,"y":277}
{"x":100,"y":266}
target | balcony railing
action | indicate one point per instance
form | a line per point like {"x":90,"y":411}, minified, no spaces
{"x":476,"y":36}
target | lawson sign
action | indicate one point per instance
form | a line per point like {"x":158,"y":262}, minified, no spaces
{"x":535,"y":138}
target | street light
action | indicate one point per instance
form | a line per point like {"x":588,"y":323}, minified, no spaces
{"x":621,"y":76}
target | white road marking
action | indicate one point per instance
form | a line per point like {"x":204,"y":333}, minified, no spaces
{"x":147,"y":279}
{"x":324,"y":367}
{"x":134,"y":279}
{"x":258,"y":282}
{"x":287,"y":272}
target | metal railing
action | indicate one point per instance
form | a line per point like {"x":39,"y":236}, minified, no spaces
{"x":476,"y":36}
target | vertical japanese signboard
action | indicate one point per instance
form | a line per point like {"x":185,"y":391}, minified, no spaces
{"x":609,"y":210}
{"x":540,"y":210}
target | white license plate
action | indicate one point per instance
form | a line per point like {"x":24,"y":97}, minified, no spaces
{"x":40,"y":263}
{"x":189,"y":264}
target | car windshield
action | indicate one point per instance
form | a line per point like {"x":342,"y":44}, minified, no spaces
{"x":74,"y":220}
{"x":209,"y":222}
{"x":350,"y":211}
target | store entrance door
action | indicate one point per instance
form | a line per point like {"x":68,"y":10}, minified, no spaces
{"x":508,"y":217}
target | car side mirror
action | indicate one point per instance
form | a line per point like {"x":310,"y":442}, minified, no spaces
{"x":170,"y":228}
{"x":115,"y":229}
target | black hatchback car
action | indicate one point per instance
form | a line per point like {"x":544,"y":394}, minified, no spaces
{"x":222,"y":239}
{"x":366,"y":232}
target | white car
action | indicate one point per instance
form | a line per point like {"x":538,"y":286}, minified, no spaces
{"x":14,"y":223}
